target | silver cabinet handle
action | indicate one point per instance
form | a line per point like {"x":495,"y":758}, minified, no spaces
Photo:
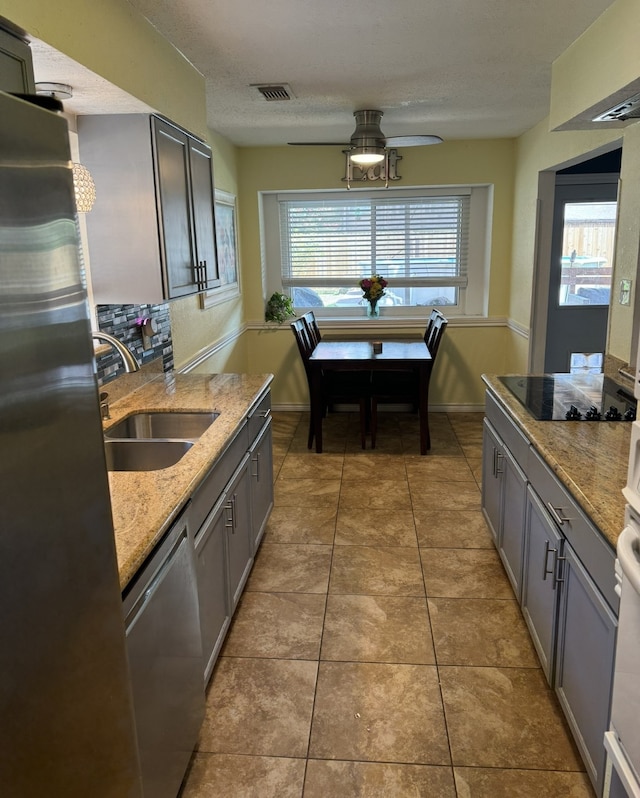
{"x":499,"y":457}
{"x":558,"y":515}
{"x":230,"y":520}
{"x":256,"y":460}
{"x":545,"y":564}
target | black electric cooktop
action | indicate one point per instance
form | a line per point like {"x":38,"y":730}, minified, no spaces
{"x":572,"y":397}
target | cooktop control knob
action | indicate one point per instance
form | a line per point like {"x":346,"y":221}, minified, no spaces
{"x":630,"y":415}
{"x":613,"y":414}
{"x":573,"y":414}
{"x":593,"y":414}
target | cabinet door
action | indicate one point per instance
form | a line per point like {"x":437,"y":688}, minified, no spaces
{"x":171,"y":149}
{"x":204,"y":229}
{"x":543,"y":547}
{"x":492,"y":455}
{"x":261,"y":454}
{"x":511,"y":538}
{"x":238,"y":528}
{"x":584,"y":663}
{"x":213,"y":591}
{"x":16,"y":68}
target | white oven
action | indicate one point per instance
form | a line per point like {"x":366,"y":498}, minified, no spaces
{"x":622,"y":741}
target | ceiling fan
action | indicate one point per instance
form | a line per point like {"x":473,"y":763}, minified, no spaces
{"x":368,"y":143}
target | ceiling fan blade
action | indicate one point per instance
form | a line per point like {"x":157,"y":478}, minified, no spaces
{"x":319,"y":143}
{"x":411,"y":141}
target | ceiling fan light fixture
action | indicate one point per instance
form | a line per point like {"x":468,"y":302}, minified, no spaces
{"x":367,"y":156}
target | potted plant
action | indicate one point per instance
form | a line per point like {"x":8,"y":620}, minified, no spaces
{"x":279,"y":308}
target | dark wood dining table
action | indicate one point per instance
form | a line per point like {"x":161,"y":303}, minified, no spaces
{"x":360,"y":356}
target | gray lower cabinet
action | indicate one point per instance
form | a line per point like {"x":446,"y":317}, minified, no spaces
{"x":567,"y":580}
{"x":213,"y":587}
{"x":543,"y":548}
{"x":229,"y":512}
{"x":238,"y":530}
{"x":261,"y":456}
{"x":492,"y":453}
{"x":503,"y":501}
{"x":510,"y":542}
{"x":584,"y":662}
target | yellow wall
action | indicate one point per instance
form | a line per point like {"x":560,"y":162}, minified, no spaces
{"x":114,"y":41}
{"x":602,"y":63}
{"x":539,"y":150}
{"x":467,"y":351}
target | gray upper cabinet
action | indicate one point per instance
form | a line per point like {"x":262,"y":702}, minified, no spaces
{"x":151,"y":232}
{"x":16,"y":68}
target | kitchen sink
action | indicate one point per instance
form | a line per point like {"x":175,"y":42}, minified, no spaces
{"x":144,"y":455}
{"x":182,"y":426}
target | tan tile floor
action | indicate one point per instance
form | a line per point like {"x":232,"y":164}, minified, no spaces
{"x":378,"y":651}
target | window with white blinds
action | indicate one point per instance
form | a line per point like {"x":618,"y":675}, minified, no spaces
{"x":419,"y":241}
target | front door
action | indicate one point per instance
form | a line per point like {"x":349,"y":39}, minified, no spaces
{"x":580,"y":279}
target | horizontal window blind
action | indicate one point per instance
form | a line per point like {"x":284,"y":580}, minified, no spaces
{"x":416,"y":241}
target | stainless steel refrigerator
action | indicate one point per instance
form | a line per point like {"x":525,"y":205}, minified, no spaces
{"x":66,"y":719}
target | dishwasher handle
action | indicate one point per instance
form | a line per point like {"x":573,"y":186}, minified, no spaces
{"x":628,"y":551}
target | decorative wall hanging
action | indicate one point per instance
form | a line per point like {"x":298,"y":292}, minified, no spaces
{"x":227,"y":245}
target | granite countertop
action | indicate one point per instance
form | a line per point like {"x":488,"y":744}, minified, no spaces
{"x":589,"y":458}
{"x":145,"y":503}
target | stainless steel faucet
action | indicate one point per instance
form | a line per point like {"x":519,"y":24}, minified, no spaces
{"x":130,"y":363}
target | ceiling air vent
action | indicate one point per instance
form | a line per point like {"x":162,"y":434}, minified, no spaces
{"x":628,"y":109}
{"x":274,"y":92}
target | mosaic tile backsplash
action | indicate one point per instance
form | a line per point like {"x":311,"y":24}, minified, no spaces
{"x":120,"y":321}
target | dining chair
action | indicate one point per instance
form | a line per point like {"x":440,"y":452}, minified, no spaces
{"x":431,"y":335}
{"x":337,"y":386}
{"x":309,"y":319}
{"x":401,"y":387}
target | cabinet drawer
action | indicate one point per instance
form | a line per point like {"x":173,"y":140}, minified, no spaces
{"x":592,"y":549}
{"x":216,"y":480}
{"x":513,"y":439}
{"x":258,"y":414}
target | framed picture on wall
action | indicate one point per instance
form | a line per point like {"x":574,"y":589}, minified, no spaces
{"x":227,"y":242}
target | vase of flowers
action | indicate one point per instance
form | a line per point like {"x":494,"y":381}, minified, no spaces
{"x":372,"y":293}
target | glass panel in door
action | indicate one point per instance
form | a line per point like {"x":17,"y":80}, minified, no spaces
{"x":587,"y":253}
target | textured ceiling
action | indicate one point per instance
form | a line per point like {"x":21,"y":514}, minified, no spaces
{"x":456,"y":68}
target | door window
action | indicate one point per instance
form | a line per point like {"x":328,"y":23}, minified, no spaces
{"x":587,"y":253}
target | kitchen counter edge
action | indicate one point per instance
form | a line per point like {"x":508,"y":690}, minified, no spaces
{"x":145,"y":503}
{"x":589,"y":459}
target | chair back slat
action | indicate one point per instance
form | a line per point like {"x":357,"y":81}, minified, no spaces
{"x":433,"y":334}
{"x":309,"y":319}
{"x":303,"y":339}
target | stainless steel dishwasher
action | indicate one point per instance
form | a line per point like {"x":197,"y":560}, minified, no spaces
{"x":165,"y":661}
